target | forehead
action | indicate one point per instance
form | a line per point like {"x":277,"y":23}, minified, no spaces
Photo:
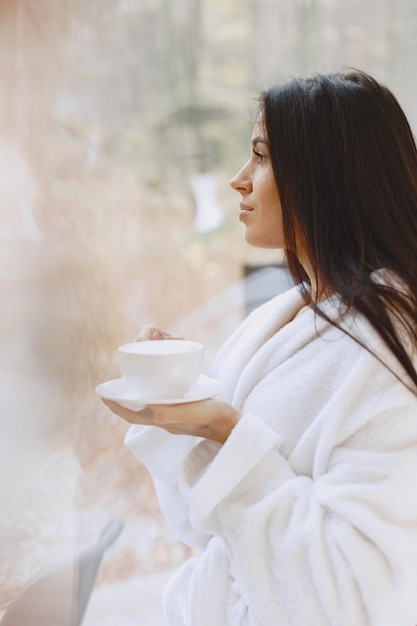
{"x":259,"y":130}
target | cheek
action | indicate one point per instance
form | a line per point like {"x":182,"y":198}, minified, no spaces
{"x":268,"y":192}
{"x":272,"y":207}
{"x":274,"y":221}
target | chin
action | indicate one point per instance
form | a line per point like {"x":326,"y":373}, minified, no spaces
{"x":263,"y":242}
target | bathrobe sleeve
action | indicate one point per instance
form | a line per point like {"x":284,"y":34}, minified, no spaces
{"x":163,"y":455}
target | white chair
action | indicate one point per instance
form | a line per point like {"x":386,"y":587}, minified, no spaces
{"x":58,"y":595}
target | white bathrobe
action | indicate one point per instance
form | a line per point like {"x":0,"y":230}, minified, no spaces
{"x":307,"y":515}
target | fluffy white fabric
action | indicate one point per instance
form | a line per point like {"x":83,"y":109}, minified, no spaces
{"x":307,"y":515}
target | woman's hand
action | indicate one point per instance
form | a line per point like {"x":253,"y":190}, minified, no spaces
{"x":150,"y":333}
{"x":211,"y":419}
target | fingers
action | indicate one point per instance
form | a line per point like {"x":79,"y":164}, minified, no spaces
{"x":151,"y":333}
{"x":144,"y":416}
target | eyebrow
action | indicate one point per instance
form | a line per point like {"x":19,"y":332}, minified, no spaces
{"x":258,"y":139}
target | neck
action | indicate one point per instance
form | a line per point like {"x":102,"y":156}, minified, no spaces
{"x":319,"y":291}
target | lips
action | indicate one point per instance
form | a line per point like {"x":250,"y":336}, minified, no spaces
{"x":244,"y":210}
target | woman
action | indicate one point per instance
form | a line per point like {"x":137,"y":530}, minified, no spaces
{"x":298,"y":487}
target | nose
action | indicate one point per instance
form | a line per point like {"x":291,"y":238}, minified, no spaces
{"x":242,"y":181}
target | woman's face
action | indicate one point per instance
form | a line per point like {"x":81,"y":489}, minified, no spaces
{"x":260,"y":209}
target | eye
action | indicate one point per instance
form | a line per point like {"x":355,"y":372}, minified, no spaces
{"x":260,"y":156}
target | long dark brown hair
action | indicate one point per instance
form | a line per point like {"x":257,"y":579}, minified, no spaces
{"x":345,"y":164}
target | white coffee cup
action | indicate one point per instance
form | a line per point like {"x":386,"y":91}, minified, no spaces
{"x":161,"y":369}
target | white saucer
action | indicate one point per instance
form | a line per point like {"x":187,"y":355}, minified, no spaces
{"x":118,"y":391}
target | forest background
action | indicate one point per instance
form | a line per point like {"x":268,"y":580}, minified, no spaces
{"x":121,"y":122}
